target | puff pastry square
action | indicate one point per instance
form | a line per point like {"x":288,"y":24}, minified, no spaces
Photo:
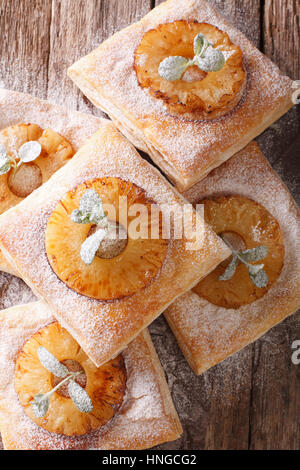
{"x":17,"y":108}
{"x":147,"y":416}
{"x":103,"y":328}
{"x":207,"y":333}
{"x":185,"y":150}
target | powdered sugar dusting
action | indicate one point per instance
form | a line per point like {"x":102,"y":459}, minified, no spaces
{"x":108,"y":78}
{"x":212,"y":333}
{"x":103,"y":328}
{"x":144,"y":419}
{"x":13,"y":291}
{"x":18,"y":107}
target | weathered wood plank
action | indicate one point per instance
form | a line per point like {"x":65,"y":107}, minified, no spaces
{"x":270,"y":394}
{"x":234,"y":404}
{"x":25,"y":44}
{"x":24,"y":28}
{"x":274,"y":416}
{"x":77,"y":27}
{"x":229,"y":402}
{"x":275,"y":412}
{"x":214,"y":408}
{"x":281,"y":35}
{"x":244,"y":14}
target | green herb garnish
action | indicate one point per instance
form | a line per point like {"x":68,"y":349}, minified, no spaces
{"x":206,"y":58}
{"x":91,"y":212}
{"x":256,"y":272}
{"x":28,"y":152}
{"x":78,"y":395}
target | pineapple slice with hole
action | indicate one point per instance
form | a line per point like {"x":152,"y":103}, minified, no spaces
{"x":105,"y":385}
{"x":245,"y":224}
{"x":56,"y":151}
{"x":106,"y":278}
{"x":197,"y":95}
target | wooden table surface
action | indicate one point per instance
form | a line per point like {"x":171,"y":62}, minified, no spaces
{"x":251,"y":400}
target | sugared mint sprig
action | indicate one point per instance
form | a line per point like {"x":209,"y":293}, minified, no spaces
{"x":28,"y":152}
{"x":90,"y":209}
{"x":256,"y":272}
{"x":206,"y":58}
{"x":91,"y":212}
{"x":5,"y":163}
{"x":78,"y":395}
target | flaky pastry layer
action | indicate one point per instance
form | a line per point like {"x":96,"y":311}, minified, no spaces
{"x":18,"y":108}
{"x":146,"y":418}
{"x":207,"y":333}
{"x":104,"y":328}
{"x":185,"y":150}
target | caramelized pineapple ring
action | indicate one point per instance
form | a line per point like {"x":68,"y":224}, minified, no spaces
{"x":56,"y":150}
{"x":198,"y":94}
{"x":112,"y":278}
{"x":247,"y":225}
{"x":105,"y":385}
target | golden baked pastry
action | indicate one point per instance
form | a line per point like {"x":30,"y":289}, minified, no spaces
{"x":104,"y":385}
{"x":142,"y":105}
{"x":19,"y":182}
{"x":55,"y":151}
{"x":131,"y":270}
{"x":102,"y":318}
{"x":244,"y":220}
{"x":142,"y":417}
{"x":218,"y":318}
{"x":198,"y":94}
{"x":58,"y":131}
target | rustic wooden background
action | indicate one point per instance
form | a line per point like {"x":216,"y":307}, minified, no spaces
{"x":251,"y":400}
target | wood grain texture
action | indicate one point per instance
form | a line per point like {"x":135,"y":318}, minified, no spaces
{"x":274,"y":421}
{"x":275,"y":407}
{"x":251,"y":400}
{"x":281,"y":34}
{"x":25,"y":45}
{"x":245,"y":15}
{"x":228,"y":424}
{"x":213,"y":407}
{"x":275,"y":410}
{"x":77,"y":27}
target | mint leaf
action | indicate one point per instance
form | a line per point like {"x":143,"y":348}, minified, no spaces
{"x":29,"y":151}
{"x":172,"y":68}
{"x":89,"y":199}
{"x":254,"y":268}
{"x":4,"y":160}
{"x":200,"y":44}
{"x":3,"y":151}
{"x":230,"y":270}
{"x":254,"y":254}
{"x":79,"y":397}
{"x":51,"y":363}
{"x":4,"y":166}
{"x":260,"y":279}
{"x":40,"y":405}
{"x":91,"y":245}
{"x":212,"y":61}
{"x":91,"y":210}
